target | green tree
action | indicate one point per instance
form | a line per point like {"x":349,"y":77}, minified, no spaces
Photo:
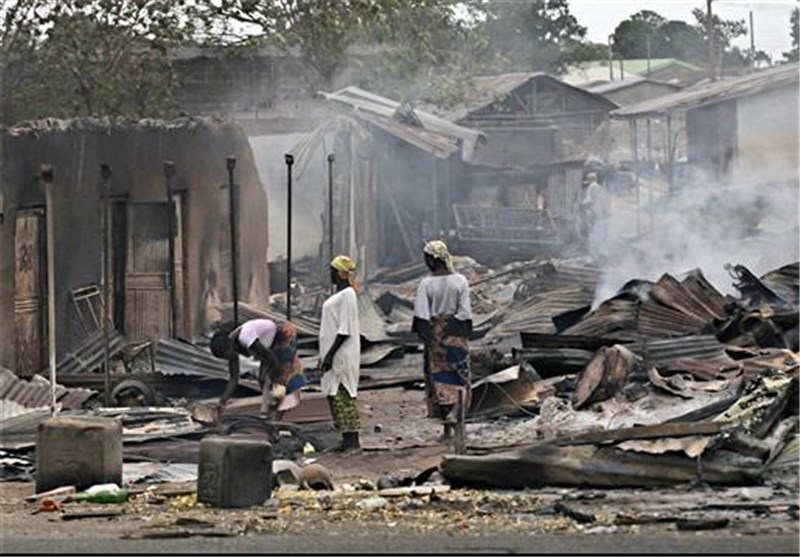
{"x":675,"y":38}
{"x":18,"y":38}
{"x":323,"y":32}
{"x":538,"y":35}
{"x":632,"y":36}
{"x":91,"y":57}
{"x":794,"y":31}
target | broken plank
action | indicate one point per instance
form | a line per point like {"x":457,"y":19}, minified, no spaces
{"x":169,"y":533}
{"x":92,"y":513}
{"x":577,"y":516}
{"x":703,"y":524}
{"x":643,"y":432}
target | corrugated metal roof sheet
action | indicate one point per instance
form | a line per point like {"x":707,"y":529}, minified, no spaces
{"x":614,"y":317}
{"x":35,"y":393}
{"x":614,"y":86}
{"x":709,"y":93}
{"x":536,"y":314}
{"x":785,"y":282}
{"x":90,"y":354}
{"x":176,"y":357}
{"x":665,"y":351}
{"x":588,"y":72}
{"x":438,"y":136}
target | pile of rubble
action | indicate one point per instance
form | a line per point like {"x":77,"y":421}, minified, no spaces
{"x":666,"y":381}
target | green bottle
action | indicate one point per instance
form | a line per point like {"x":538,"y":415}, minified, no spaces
{"x":118,"y":496}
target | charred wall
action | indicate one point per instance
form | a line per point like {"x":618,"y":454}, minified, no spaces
{"x":136,"y":152}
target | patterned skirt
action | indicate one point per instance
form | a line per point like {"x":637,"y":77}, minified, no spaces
{"x":345,"y":411}
{"x":447,"y":369}
{"x":290,"y":368}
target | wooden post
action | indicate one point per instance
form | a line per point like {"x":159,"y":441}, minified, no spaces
{"x":289,"y":159}
{"x":47,"y":178}
{"x":230,"y":164}
{"x":169,"y":172}
{"x":460,"y":447}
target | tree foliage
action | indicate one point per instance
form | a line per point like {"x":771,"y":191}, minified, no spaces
{"x":537,"y":35}
{"x":323,"y":32}
{"x":648,"y":33}
{"x":63,"y":58}
{"x":794,"y":31}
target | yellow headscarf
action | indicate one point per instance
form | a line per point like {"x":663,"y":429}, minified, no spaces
{"x":346,"y":268}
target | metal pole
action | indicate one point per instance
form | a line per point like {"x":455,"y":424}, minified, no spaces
{"x":230,"y":165}
{"x":169,"y":172}
{"x":712,"y":70}
{"x":289,"y":162}
{"x":105,"y":174}
{"x":47,"y":178}
{"x":610,"y":60}
{"x":671,"y":159}
{"x":635,"y":141}
{"x":330,"y":207}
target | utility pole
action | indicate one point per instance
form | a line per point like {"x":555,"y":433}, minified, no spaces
{"x":712,"y":66}
{"x":610,"y":60}
{"x":752,"y":45}
{"x":648,"y":56}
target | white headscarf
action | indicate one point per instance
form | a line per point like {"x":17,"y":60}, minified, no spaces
{"x":438,"y":250}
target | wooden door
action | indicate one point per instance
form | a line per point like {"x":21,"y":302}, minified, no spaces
{"x":29,"y":292}
{"x":147,"y":301}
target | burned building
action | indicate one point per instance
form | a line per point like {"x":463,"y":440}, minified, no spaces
{"x":531,"y":118}
{"x":138,"y":246}
{"x":738,"y":131}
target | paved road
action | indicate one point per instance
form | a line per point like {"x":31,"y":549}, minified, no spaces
{"x":415,"y":543}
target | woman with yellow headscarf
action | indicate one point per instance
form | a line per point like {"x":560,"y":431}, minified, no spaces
{"x":340,"y":351}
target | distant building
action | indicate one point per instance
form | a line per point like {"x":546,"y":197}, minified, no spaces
{"x":738,"y":131}
{"x":666,"y":70}
{"x":633,"y":90}
{"x":531,"y":118}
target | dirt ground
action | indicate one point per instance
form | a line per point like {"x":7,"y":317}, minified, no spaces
{"x":398,"y":439}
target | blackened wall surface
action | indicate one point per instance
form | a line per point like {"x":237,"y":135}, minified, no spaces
{"x":136,"y":152}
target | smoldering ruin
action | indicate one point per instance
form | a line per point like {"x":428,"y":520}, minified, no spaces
{"x":654,"y":346}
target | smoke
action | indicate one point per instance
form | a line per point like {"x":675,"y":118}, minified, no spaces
{"x":704,"y":226}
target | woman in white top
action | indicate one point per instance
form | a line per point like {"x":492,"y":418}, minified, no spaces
{"x":340,"y":351}
{"x":274,"y":345}
{"x":443,"y":321}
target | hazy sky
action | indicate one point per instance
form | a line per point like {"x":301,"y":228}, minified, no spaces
{"x":770,"y":17}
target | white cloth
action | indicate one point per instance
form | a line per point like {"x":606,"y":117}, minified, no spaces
{"x":340,"y":317}
{"x":440,"y":295}
{"x":257,"y":329}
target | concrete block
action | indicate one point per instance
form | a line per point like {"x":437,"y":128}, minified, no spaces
{"x":234,"y":472}
{"x":79,"y":451}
